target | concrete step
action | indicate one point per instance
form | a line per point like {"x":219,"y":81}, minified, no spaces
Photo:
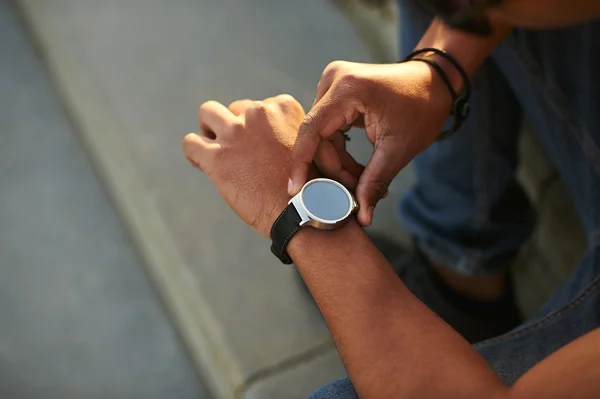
{"x":79,"y":317}
{"x":133,"y":74}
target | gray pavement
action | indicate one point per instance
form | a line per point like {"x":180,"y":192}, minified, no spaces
{"x":133,"y":74}
{"x":79,"y":317}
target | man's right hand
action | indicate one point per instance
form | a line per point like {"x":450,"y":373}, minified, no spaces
{"x":403,"y":108}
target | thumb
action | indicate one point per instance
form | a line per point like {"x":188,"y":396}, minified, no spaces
{"x":321,"y":122}
{"x":373,"y":184}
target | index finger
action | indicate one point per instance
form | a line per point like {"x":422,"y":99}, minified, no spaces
{"x":240,"y":106}
{"x":323,"y":120}
{"x":215,"y":118}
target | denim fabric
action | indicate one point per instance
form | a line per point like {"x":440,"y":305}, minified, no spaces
{"x":466,"y":209}
{"x":468,"y":212}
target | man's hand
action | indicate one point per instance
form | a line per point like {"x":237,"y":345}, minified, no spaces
{"x":245,"y":151}
{"x":403,"y":108}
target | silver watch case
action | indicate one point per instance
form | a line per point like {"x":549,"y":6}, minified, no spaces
{"x":308,"y":219}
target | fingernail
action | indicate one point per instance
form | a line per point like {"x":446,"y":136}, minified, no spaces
{"x":290,"y":186}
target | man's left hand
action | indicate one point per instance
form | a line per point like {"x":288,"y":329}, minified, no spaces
{"x":246,"y":150}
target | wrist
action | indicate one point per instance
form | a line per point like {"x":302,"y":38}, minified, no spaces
{"x":456,"y":80}
{"x":311,"y":246}
{"x":440,"y":99}
{"x":279,"y":206}
{"x":283,"y":198}
{"x":469,"y":50}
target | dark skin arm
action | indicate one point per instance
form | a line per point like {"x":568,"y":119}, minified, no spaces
{"x":394,"y":347}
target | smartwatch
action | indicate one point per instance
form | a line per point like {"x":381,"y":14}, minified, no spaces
{"x":322,"y":203}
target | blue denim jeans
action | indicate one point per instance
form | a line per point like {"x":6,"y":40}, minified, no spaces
{"x":466,"y":209}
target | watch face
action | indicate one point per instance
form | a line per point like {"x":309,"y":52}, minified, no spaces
{"x":326,"y":200}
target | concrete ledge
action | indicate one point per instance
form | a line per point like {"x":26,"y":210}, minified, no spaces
{"x":101,"y":134}
{"x":80,"y":318}
{"x":132,"y":75}
{"x":285,"y":384}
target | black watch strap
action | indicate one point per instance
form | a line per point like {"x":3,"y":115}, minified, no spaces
{"x":284,"y":228}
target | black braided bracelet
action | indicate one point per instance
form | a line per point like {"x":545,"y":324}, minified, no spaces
{"x":442,"y":74}
{"x":460,"y":103}
{"x":452,"y":60}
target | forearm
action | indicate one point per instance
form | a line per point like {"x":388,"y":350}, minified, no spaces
{"x":536,"y":14}
{"x":469,"y":50}
{"x":391,"y":344}
{"x":472,"y":50}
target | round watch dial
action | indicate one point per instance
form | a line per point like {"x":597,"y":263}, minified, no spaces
{"x":326,"y":200}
